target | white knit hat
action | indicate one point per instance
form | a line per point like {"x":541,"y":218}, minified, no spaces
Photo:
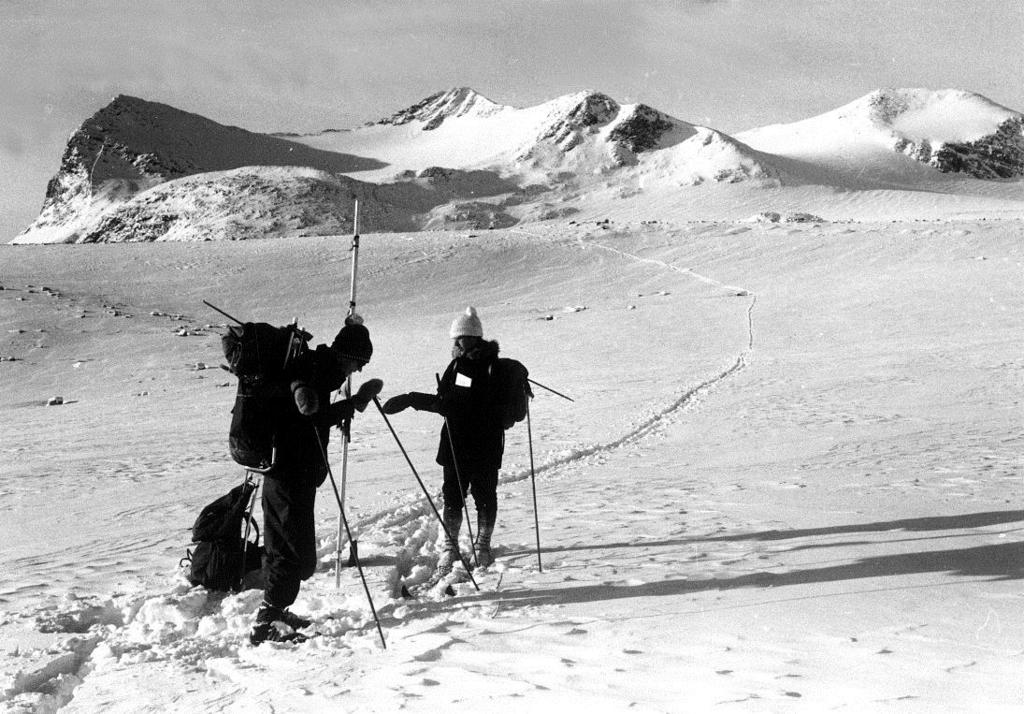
{"x":467,"y":325}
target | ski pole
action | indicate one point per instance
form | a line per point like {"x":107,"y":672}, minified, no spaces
{"x":355,"y":258}
{"x":346,"y":431}
{"x":233,"y":319}
{"x":425,"y":492}
{"x":533,"y":482}
{"x":346,"y":428}
{"x":550,"y":389}
{"x":341,"y":512}
{"x":458,"y":477}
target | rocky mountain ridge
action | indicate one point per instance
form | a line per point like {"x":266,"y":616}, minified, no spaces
{"x":986,"y":153}
{"x":433,"y":110}
{"x":132,"y":146}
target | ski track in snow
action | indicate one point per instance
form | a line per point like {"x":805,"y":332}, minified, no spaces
{"x":415,"y":523}
{"x":409,"y":530}
{"x":190,"y":628}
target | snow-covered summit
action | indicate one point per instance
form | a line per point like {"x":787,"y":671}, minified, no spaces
{"x":132,"y":137}
{"x":942,"y":115}
{"x":131,"y":145}
{"x":582,"y":133}
{"x":951,"y":130}
{"x":435,"y":109}
{"x":624,"y":130}
{"x":507,"y":164}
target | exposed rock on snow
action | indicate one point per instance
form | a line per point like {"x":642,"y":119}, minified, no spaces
{"x":262,"y":202}
{"x":569,"y":127}
{"x":803,"y":218}
{"x":707,"y":155}
{"x":950,"y":130}
{"x":123,"y":174}
{"x":953,"y":131}
{"x":232,"y":205}
{"x":775,"y":217}
{"x":998,"y":155}
{"x":591,"y":133}
{"x":435,"y":109}
{"x":642,"y":129}
{"x":131,"y":145}
{"x":473,"y":215}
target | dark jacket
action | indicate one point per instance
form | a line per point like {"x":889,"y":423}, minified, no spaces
{"x":466,"y":398}
{"x":300,"y":453}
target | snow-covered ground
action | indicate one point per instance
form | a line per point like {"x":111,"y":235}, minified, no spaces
{"x":791,"y":479}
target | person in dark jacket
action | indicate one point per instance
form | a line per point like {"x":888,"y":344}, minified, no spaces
{"x":305,"y":417}
{"x":472,"y":439}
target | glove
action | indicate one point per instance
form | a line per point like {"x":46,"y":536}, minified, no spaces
{"x":367,"y":391}
{"x":306,"y":399}
{"x":340,"y":412}
{"x":397,"y":403}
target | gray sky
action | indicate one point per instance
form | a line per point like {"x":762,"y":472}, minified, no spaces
{"x":304,"y":65}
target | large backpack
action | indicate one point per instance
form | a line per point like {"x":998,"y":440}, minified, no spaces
{"x":222,"y":555}
{"x":262,"y":357}
{"x":511,"y":389}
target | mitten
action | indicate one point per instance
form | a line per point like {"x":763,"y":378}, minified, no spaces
{"x":367,"y":391}
{"x":397,"y":403}
{"x":306,"y":399}
{"x":421,"y":401}
{"x":340,"y":412}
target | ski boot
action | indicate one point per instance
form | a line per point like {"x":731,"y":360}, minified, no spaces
{"x":485,"y":520}
{"x":274,"y":624}
{"x":450,"y":556}
{"x":484,"y":557}
{"x":446,"y":562}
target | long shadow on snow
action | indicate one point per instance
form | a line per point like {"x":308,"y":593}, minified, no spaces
{"x":999,"y":562}
{"x":929,"y":523}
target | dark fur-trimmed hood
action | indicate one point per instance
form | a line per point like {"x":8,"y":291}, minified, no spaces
{"x":485,"y":351}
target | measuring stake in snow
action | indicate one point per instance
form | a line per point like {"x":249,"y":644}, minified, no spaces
{"x":346,"y":428}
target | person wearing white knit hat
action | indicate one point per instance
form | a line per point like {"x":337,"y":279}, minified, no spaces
{"x":472,"y":440}
{"x":466,"y":325}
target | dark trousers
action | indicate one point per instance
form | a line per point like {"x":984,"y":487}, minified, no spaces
{"x":289,"y":536}
{"x":484,"y":484}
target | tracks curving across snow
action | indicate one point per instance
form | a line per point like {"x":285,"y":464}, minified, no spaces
{"x":411,"y":526}
{"x":398,"y":546}
{"x":689,"y":395}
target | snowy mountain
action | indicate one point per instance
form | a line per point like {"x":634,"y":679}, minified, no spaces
{"x":582,"y":134}
{"x":458,"y":159}
{"x":433,"y":110}
{"x":132,"y":145}
{"x":949,"y":130}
